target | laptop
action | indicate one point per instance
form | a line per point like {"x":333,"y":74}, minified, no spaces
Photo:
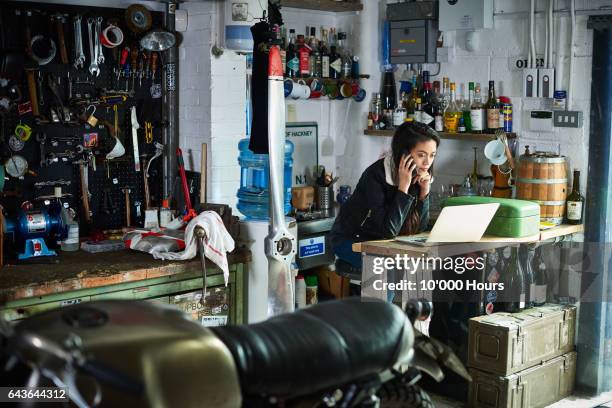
{"x":461,"y":223}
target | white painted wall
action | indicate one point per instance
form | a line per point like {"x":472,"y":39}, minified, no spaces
{"x":212,"y":103}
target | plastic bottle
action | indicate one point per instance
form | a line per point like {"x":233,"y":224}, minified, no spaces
{"x":300,"y":292}
{"x":312,"y":290}
{"x":253,"y":194}
{"x":71,"y":242}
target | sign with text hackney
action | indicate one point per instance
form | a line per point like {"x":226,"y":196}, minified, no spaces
{"x":304,"y":136}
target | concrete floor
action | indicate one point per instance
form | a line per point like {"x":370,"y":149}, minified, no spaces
{"x":575,"y":401}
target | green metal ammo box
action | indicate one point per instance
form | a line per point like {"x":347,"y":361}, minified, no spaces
{"x":535,"y":387}
{"x":506,"y":343}
{"x":514,"y":218}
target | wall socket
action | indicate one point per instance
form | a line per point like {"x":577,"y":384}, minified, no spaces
{"x":568,"y":119}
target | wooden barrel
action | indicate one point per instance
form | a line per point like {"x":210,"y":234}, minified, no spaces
{"x":542,"y":177}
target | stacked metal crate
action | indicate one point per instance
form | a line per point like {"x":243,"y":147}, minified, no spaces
{"x":525,"y":359}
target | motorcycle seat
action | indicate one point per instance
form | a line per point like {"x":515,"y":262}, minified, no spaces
{"x":318,"y":347}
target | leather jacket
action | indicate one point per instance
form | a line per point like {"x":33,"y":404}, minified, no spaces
{"x":377,"y":209}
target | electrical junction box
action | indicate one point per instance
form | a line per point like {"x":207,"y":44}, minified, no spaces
{"x":413,"y":32}
{"x":541,"y":121}
{"x":465,"y":14}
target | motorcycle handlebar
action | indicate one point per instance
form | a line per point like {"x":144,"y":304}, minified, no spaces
{"x":112,"y":377}
{"x":419,"y":309}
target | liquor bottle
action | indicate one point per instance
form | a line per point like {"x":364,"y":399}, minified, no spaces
{"x":345,"y":55}
{"x":528,"y":255}
{"x":514,"y":284}
{"x":389,"y":97}
{"x":304,"y":57}
{"x":467,"y":105}
{"x":418,"y":110}
{"x":452,"y":113}
{"x":541,"y":280}
{"x":411,"y":108}
{"x":427,"y":106}
{"x":461,"y":125}
{"x":492,"y":107}
{"x":445,"y":93}
{"x":575,"y":202}
{"x":283,"y":49}
{"x":293,"y":61}
{"x":493,"y":270}
{"x":379,"y":122}
{"x":477,"y":115}
{"x":335,"y":63}
{"x":324,"y":54}
{"x":438,"y":117}
{"x":405,"y":91}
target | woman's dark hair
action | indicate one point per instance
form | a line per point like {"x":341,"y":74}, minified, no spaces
{"x":406,"y":137}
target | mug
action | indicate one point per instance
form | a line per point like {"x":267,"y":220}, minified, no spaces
{"x":288,"y":84}
{"x":346,"y":90}
{"x":355,"y":87}
{"x":331,"y":90}
{"x":360,"y":95}
{"x":315,"y":85}
{"x":300,"y":90}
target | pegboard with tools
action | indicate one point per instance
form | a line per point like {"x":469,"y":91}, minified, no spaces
{"x":81,"y":109}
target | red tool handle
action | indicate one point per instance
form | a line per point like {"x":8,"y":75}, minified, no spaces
{"x":124,"y":55}
{"x":181,"y":167}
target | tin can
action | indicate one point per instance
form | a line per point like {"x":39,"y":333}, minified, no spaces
{"x":507,"y":111}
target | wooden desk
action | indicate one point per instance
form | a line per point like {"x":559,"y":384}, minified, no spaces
{"x":392,"y":247}
{"x":372,"y":250}
{"x":81,"y":276}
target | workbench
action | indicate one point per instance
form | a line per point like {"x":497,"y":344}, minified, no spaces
{"x":81,"y":276}
{"x":370,"y":250}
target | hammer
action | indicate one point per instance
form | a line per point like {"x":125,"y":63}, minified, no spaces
{"x":128,"y":212}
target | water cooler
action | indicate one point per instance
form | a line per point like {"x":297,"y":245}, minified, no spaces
{"x":253,"y":203}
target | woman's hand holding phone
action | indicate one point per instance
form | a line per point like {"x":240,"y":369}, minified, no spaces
{"x":405,"y":173}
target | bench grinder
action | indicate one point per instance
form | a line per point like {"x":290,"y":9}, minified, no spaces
{"x":31,"y":228}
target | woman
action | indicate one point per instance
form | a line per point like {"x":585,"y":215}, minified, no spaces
{"x":392,"y":196}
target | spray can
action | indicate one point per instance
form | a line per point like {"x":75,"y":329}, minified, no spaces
{"x":507,"y":111}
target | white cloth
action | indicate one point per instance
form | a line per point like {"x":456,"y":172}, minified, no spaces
{"x":216,"y":243}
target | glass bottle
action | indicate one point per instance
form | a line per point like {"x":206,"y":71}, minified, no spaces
{"x":467,"y":105}
{"x":494,"y":268}
{"x":388,"y":91}
{"x":304,"y":57}
{"x":514,"y":284}
{"x":335,"y":63}
{"x":293,"y":61}
{"x":445,"y":93}
{"x":492,"y":106}
{"x":347,"y":60}
{"x":541,"y":280}
{"x":528,"y":255}
{"x":324,"y":54}
{"x":452,"y":113}
{"x":574,"y":202}
{"x":477,"y":114}
{"x":427,"y":105}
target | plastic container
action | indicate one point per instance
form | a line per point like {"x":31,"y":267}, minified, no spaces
{"x":312,"y":290}
{"x":300,"y":292}
{"x":165,"y":214}
{"x":253,"y":194}
{"x":71,"y":243}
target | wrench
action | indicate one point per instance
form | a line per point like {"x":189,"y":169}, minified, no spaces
{"x":78,"y":43}
{"x":42,"y":138}
{"x":100,"y":53}
{"x":93,"y":52}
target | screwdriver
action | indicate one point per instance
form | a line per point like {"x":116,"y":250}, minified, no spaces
{"x":134,"y":56}
{"x":124,"y":56}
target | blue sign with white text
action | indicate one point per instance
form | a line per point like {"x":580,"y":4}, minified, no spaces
{"x":311,"y":247}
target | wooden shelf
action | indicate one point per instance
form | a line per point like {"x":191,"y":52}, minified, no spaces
{"x":484,"y":137}
{"x":323,"y":5}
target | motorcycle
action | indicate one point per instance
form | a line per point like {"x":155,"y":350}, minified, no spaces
{"x":348,"y":353}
